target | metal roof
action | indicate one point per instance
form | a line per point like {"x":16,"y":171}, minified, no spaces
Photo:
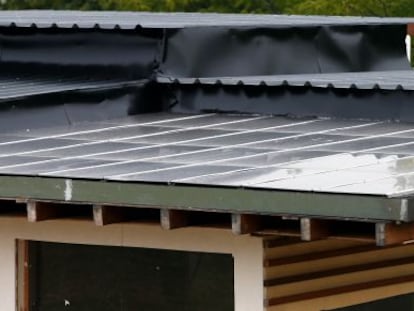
{"x":15,"y":86}
{"x":385,"y":80}
{"x":19,"y":85}
{"x":352,"y":159}
{"x":132,"y":20}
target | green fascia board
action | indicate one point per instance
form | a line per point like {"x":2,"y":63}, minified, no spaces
{"x":218,"y":199}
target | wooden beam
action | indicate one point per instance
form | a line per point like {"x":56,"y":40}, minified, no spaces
{"x":105,"y":215}
{"x":313,"y":229}
{"x":319,"y":255}
{"x":214,"y":199}
{"x":173,"y":219}
{"x":22,"y":275}
{"x":8,"y":206}
{"x":39,"y":211}
{"x":392,"y":233}
{"x":245,"y":224}
{"x":410,"y":29}
{"x":20,"y":200}
{"x":280,"y":242}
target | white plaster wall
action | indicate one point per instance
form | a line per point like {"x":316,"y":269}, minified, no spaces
{"x":7,"y":271}
{"x":246,"y":250}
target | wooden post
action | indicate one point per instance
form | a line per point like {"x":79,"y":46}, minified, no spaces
{"x":245,"y":224}
{"x":39,"y":211}
{"x":173,"y":219}
{"x":105,"y":215}
{"x":313,"y":229}
{"x":392,"y":233}
{"x":22,"y":275}
{"x":410,"y":29}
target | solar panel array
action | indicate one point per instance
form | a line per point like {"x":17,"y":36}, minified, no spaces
{"x":322,"y":155}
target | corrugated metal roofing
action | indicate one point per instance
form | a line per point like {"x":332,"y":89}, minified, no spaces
{"x":385,"y":80}
{"x":260,"y":152}
{"x":132,"y":20}
{"x":15,"y":86}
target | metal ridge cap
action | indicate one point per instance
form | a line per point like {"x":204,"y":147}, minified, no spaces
{"x":128,"y":19}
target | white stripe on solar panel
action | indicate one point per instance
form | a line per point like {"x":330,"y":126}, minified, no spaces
{"x":108,"y":128}
{"x":228,"y":146}
{"x":155,"y":145}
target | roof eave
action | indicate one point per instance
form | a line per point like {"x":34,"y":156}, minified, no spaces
{"x":219,"y":199}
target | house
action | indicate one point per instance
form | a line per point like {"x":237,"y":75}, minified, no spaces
{"x":199,"y":162}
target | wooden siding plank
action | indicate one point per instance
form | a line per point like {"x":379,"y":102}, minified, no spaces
{"x":325,"y":264}
{"x":297,"y":247}
{"x":318,"y":255}
{"x":339,"y":271}
{"x":338,"y":290}
{"x":274,"y":243}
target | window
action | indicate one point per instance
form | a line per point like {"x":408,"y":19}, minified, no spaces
{"x":105,"y":278}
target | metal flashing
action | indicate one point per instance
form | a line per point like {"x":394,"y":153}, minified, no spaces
{"x":215,"y":199}
{"x":132,"y":20}
{"x":14,"y":87}
{"x":374,"y":80}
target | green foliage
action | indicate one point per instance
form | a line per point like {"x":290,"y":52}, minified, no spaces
{"x":321,"y":7}
{"x":228,"y":6}
{"x":51,"y":4}
{"x":355,"y":7}
{"x":238,"y":6}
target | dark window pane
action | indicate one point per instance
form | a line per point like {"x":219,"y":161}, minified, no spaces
{"x":101,"y":278}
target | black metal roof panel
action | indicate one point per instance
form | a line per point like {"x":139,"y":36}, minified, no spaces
{"x":16,"y":85}
{"x":384,"y":80}
{"x":260,"y":152}
{"x":132,"y":20}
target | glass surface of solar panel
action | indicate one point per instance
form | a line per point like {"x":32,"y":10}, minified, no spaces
{"x":274,"y":153}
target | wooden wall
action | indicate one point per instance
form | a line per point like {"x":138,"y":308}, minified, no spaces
{"x":246,"y":250}
{"x":329,"y":274}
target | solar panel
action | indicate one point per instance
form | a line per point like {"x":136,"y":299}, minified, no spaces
{"x":272,"y":153}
